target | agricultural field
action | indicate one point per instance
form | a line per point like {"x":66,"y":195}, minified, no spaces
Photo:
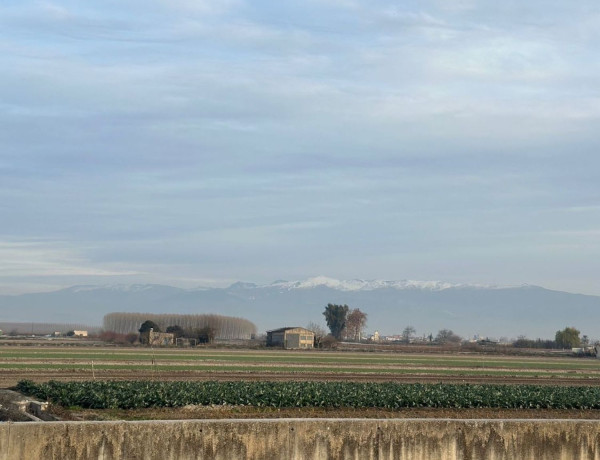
{"x":41,"y":364}
{"x":243,"y":371}
{"x":389,"y":395}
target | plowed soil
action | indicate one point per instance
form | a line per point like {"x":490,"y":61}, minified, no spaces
{"x":226,"y":412}
{"x":10,"y":377}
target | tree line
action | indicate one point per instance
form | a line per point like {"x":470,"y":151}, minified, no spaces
{"x":13,"y":328}
{"x":565,"y":338}
{"x":348,"y":324}
{"x":224,"y":327}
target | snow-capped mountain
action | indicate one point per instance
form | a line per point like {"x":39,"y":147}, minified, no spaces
{"x":390,"y":305}
{"x":367,"y":285}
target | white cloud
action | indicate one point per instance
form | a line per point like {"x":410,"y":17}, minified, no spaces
{"x":346,"y":4}
{"x":55,"y":11}
{"x":201,"y":6}
{"x":47,"y":259}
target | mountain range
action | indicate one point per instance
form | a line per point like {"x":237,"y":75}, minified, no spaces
{"x":428,"y":306}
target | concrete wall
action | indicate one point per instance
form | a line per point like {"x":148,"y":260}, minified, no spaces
{"x":292,"y":338}
{"x":360,"y":439}
{"x":275,"y":339}
{"x":158,"y":339}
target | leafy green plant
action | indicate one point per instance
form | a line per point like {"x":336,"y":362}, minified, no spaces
{"x":140,"y":394}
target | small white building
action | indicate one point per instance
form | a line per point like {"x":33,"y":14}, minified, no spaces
{"x":80,"y":333}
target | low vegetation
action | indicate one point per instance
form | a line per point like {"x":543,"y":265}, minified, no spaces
{"x":142,"y":394}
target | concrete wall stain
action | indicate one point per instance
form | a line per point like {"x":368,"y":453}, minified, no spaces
{"x":298,"y":439}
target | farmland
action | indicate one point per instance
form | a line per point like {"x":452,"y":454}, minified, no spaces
{"x":103,"y":363}
{"x":139,"y":394}
{"x":96,"y":364}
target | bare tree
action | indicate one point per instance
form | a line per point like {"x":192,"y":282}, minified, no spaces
{"x":407,"y":333}
{"x":319,"y":332}
{"x":355,"y":324}
{"x":447,"y":336}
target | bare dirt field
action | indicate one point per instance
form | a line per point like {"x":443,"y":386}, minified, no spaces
{"x":220,"y":412}
{"x":10,"y":377}
{"x":43,"y":362}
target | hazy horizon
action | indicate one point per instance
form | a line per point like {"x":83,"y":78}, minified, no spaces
{"x":224,"y":284}
{"x":390,"y":306}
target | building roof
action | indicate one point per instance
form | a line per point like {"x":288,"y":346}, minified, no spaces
{"x":283,"y":329}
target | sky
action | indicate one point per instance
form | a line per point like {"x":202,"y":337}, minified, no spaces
{"x":197,"y":143}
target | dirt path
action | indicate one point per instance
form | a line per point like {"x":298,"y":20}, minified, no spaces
{"x":225,"y":412}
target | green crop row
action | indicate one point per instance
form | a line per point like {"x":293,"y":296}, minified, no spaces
{"x":139,"y":394}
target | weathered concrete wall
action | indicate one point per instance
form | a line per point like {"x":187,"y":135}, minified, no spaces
{"x":360,"y":439}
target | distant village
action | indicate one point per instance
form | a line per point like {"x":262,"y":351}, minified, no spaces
{"x":346,"y":329}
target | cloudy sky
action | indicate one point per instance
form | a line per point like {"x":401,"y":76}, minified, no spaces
{"x":191,"y":142}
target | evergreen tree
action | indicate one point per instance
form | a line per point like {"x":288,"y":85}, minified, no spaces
{"x":335,"y":316}
{"x":177,"y":331}
{"x":147,"y":325}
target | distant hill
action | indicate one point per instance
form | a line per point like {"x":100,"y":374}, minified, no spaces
{"x":391,"y":305}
